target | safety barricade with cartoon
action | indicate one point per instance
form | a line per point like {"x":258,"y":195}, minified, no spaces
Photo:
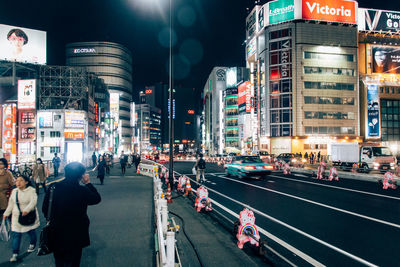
{"x":202,"y":200}
{"x":333,"y":174}
{"x":389,"y":181}
{"x":247,"y":230}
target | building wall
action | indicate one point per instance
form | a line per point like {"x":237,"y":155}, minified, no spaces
{"x":113,"y":63}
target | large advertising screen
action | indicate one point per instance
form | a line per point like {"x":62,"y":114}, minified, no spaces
{"x":244,"y":99}
{"x":45,"y":119}
{"x":280,"y":11}
{"x":386,"y":59}
{"x":22,"y":44}
{"x":373,"y":110}
{"x":378,"y":20}
{"x":26,"y":94}
{"x":330,"y":10}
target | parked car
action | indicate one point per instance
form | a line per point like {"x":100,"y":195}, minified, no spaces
{"x":248,"y":166}
{"x":288,"y":158}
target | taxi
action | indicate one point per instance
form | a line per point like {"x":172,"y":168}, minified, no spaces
{"x":248,"y":167}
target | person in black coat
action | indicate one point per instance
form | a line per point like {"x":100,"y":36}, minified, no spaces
{"x":69,"y":219}
{"x":101,"y":169}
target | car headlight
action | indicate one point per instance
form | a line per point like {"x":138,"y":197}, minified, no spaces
{"x":268,"y":167}
{"x":304,"y":160}
{"x":376,"y":164}
{"x":294,"y":160}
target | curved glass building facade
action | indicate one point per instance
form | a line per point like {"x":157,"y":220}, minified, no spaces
{"x":113,"y":63}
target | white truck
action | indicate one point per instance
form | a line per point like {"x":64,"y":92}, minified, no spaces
{"x":368,"y":157}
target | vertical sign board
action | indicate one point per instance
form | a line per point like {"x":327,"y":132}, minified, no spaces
{"x":8,"y":123}
{"x":280,"y":11}
{"x":26,"y":94}
{"x":372,"y":110}
{"x":378,"y":20}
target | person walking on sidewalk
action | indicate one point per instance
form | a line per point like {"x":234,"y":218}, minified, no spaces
{"x":123,"y":159}
{"x":22,"y":201}
{"x":108,"y":163}
{"x":56,"y":164}
{"x":94,"y":159}
{"x":137,"y":161}
{"x":39,"y":175}
{"x":200,"y":167}
{"x":101,"y":169}
{"x":6,"y":182}
{"x":70,"y":222}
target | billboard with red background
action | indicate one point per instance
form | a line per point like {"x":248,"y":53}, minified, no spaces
{"x":330,"y":10}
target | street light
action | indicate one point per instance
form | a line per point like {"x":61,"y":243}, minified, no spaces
{"x":171,"y":107}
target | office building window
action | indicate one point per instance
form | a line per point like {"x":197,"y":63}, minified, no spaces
{"x":329,"y":100}
{"x":329,"y":56}
{"x":329,"y":86}
{"x":55,"y":134}
{"x":55,"y":149}
{"x":390,"y":118}
{"x":329,"y":71}
{"x":329,"y":115}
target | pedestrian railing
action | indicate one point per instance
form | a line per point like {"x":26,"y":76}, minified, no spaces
{"x":165,"y":239}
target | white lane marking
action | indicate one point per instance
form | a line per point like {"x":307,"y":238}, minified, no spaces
{"x":337,"y":187}
{"x":270,"y":181}
{"x":301,"y":175}
{"x":283,"y":243}
{"x":317,"y":203}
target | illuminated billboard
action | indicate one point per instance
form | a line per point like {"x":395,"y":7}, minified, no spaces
{"x":231,"y":77}
{"x":372,"y":110}
{"x":280,"y":11}
{"x":74,"y":119}
{"x":330,"y":10}
{"x":22,"y":44}
{"x":45,"y":119}
{"x":378,"y":20}
{"x":244,"y":97}
{"x":26,"y":94}
{"x":385,"y":59}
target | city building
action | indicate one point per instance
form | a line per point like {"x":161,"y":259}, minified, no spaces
{"x":304,"y":67}
{"x":111,"y":62}
{"x":213,"y":112}
{"x":148,"y":127}
{"x":379,"y":67}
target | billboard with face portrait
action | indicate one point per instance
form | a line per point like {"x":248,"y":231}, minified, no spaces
{"x":386,"y":59}
{"x":22,"y":44}
{"x":373,"y":110}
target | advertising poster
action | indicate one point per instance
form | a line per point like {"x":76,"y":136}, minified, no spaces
{"x":251,"y":48}
{"x":373,"y":110}
{"x":378,"y":20}
{"x":74,"y":119}
{"x":22,"y":44}
{"x":114,"y":105}
{"x":45,"y":119}
{"x":8,"y":136}
{"x":330,"y":10}
{"x":28,"y":133}
{"x":27,"y":117}
{"x":242,"y":97}
{"x":386,"y":59}
{"x":231,"y":78}
{"x":280,"y":11}
{"x":27,"y":126}
{"x":26,"y":94}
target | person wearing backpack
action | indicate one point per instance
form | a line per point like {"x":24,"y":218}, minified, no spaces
{"x":200,"y":166}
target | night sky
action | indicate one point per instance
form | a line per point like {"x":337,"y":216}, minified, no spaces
{"x":208,"y":32}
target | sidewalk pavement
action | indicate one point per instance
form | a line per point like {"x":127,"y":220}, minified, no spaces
{"x":121,"y":229}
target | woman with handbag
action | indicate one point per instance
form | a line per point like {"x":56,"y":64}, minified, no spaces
{"x":6,"y":182}
{"x":25,"y":217}
{"x":39,"y":175}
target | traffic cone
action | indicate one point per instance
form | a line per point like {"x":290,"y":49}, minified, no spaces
{"x":188,"y":188}
{"x":138,"y":170}
{"x":169,"y":199}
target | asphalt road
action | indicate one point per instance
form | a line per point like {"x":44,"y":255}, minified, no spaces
{"x":344,"y":223}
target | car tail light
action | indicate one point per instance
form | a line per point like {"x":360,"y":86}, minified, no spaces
{"x":249,"y":168}
{"x":268,"y":167}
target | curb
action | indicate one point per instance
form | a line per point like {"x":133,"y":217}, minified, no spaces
{"x":345,"y":175}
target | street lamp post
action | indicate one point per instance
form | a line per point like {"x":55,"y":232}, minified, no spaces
{"x":171,"y":108}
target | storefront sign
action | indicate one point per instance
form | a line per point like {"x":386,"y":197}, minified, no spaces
{"x":373,"y":110}
{"x":251,"y":25}
{"x":74,"y":119}
{"x":74,"y":135}
{"x":378,"y":20}
{"x":27,"y":117}
{"x":280,"y":11}
{"x":9,"y":127}
{"x":45,"y":119}
{"x":28,"y":133}
{"x":386,"y":59}
{"x":330,"y":10}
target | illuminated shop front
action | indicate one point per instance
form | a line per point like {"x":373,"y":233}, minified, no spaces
{"x":379,"y":44}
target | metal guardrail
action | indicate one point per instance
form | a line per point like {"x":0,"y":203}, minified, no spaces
{"x":165,"y":239}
